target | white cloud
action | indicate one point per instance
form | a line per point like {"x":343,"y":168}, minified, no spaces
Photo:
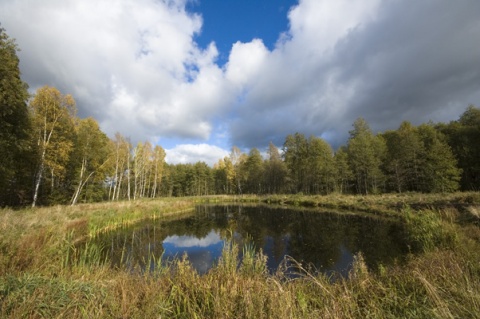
{"x":245,"y":62}
{"x":382,"y":60}
{"x":134,"y":65}
{"x":131,"y":64}
{"x":192,"y":153}
{"x":296,"y":87}
{"x":319,"y":24}
{"x":189,"y":241}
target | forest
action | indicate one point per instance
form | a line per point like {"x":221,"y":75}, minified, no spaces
{"x":51,"y":156}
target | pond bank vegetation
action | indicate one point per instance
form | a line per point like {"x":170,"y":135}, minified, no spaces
{"x":45,"y":273}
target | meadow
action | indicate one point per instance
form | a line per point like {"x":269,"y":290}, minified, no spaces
{"x":50,"y":266}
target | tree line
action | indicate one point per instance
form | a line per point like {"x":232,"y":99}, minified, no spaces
{"x":48,"y":155}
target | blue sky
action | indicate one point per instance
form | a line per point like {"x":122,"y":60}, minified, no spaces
{"x":198,"y":76}
{"x":228,"y":21}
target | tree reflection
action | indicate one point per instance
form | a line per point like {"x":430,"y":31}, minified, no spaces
{"x":328,"y":241}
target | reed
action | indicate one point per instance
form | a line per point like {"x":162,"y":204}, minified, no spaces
{"x":50,"y":267}
{"x":427,"y":231}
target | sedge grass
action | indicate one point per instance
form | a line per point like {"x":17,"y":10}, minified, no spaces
{"x":45,"y":274}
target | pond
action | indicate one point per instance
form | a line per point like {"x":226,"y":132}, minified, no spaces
{"x":322,"y":241}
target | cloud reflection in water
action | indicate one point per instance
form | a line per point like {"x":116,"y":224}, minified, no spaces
{"x":202,"y":252}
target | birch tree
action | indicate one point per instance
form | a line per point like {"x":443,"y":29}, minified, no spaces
{"x":224,"y":176}
{"x":463,"y":136}
{"x":90,"y":153}
{"x":275,"y":170}
{"x":321,"y":166}
{"x":52,"y":115}
{"x":405,"y":158}
{"x":254,"y":172}
{"x":295,"y":154}
{"x":158,"y":168}
{"x":344,"y":174}
{"x":121,"y":168}
{"x":440,"y":171}
{"x":365,"y":156}
{"x":237,"y":158}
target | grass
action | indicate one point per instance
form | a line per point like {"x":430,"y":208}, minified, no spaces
{"x":50,"y":268}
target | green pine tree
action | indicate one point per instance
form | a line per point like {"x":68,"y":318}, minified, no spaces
{"x":365,"y":156}
{"x":14,"y":126}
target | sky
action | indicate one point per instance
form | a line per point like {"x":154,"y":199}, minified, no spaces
{"x":200,"y":76}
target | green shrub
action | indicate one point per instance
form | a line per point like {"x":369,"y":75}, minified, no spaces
{"x":426,"y":231}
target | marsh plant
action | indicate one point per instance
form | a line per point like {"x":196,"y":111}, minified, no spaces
{"x":45,"y":274}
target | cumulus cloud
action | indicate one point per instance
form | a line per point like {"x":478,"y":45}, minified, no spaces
{"x":131,"y":64}
{"x":386,"y":61}
{"x":191,"y":153}
{"x":134,"y":65}
{"x":245,"y":62}
{"x":190,"y":241}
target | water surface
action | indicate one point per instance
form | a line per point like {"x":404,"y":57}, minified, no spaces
{"x":323,"y":241}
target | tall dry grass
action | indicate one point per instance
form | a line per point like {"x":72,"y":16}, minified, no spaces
{"x":45,"y":273}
